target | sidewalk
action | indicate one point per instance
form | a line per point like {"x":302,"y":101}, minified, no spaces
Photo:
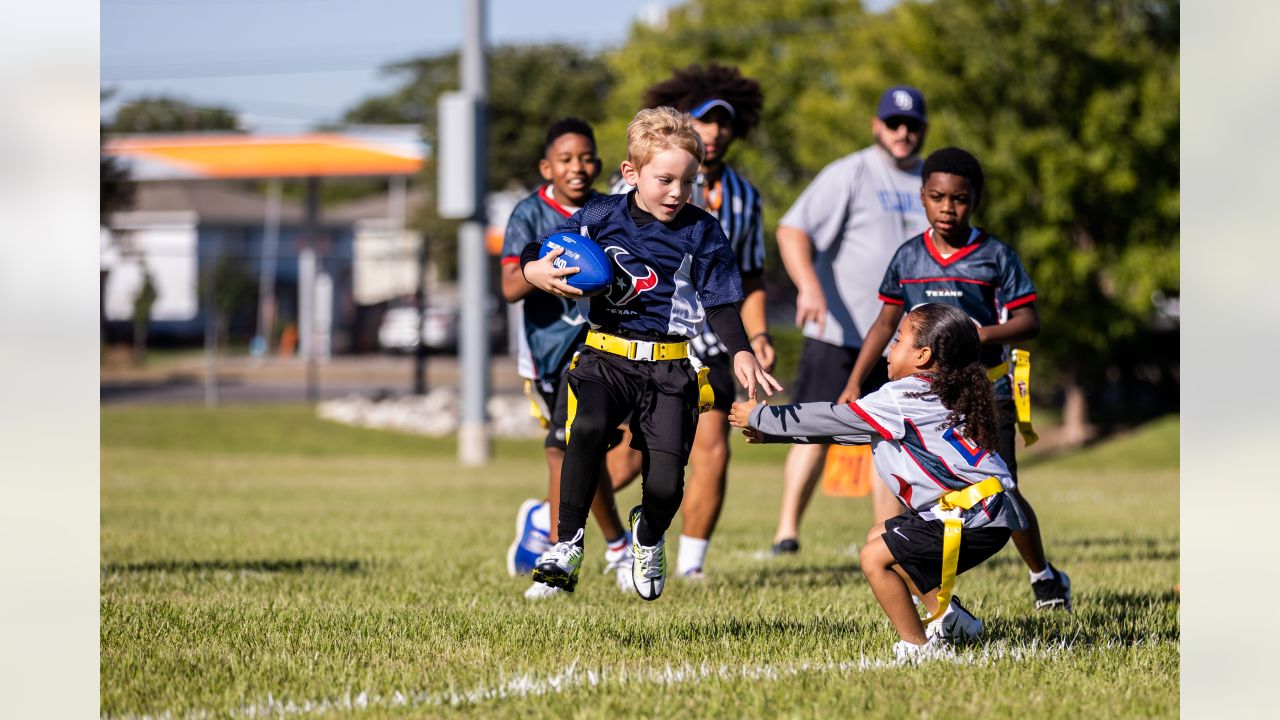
{"x":243,"y":379}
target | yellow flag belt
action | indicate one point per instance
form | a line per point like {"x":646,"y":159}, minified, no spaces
{"x":953,"y":502}
{"x":1020,"y":361}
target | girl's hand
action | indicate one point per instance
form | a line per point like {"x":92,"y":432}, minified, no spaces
{"x":740,"y":413}
{"x":750,"y":374}
{"x":544,"y":275}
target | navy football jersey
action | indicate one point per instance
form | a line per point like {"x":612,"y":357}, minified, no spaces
{"x":984,"y":278}
{"x":665,"y":275}
{"x":553,"y":328}
{"x":742,"y":220}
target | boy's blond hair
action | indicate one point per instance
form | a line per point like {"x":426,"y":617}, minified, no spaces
{"x":656,"y":129}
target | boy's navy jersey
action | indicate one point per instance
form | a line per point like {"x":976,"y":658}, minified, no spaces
{"x":664,"y":274}
{"x":740,"y":216}
{"x":553,"y":328}
{"x":984,"y":278}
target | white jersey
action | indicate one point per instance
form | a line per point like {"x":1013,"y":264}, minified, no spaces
{"x":916,"y":454}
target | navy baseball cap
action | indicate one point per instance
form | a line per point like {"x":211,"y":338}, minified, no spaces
{"x":901,"y":101}
{"x":705,"y":107}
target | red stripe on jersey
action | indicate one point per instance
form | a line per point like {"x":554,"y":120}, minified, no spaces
{"x":546,"y":198}
{"x":955,"y":256}
{"x":857,"y":409}
{"x":1019,"y":302}
{"x":510,"y":259}
{"x":948,"y":279}
{"x":891,"y":301}
{"x":904,"y":490}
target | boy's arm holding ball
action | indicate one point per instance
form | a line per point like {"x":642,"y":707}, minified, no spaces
{"x":544,"y":275}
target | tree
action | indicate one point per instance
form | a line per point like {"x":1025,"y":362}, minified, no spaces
{"x":165,"y":114}
{"x":530,"y":86}
{"x":115,"y":190}
{"x":142,"y":304}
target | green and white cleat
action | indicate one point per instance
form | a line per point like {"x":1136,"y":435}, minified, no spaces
{"x":559,"y":566}
{"x":649,"y":567}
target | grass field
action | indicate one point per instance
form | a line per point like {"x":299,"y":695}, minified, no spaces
{"x":257,"y":562}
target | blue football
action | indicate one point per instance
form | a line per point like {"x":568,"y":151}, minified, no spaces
{"x":595,"y":271}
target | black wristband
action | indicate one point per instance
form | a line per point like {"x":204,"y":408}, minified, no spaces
{"x":528,"y":255}
{"x":764,"y":335}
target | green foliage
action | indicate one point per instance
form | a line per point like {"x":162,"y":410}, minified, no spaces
{"x":1072,"y":108}
{"x":248,"y":552}
{"x":166,"y":115}
{"x":530,"y":86}
{"x":115,"y":190}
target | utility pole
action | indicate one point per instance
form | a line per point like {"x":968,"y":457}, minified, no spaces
{"x":461,"y":190}
{"x":267,"y":271}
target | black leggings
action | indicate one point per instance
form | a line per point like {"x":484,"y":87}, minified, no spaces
{"x":595,"y":421}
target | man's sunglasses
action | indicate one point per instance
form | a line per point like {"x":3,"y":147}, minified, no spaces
{"x":913,"y":125}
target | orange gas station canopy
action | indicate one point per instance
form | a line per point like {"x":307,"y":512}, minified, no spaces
{"x":227,"y":157}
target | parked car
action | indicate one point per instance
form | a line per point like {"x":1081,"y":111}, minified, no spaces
{"x":401,"y":330}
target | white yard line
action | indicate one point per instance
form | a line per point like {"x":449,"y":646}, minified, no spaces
{"x":574,"y":676}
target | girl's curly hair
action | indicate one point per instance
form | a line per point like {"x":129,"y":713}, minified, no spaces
{"x":959,"y":379}
{"x":687,"y":87}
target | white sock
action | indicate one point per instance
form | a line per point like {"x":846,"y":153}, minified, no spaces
{"x":693,"y":552}
{"x":619,"y":544}
{"x":542,"y":518}
{"x":1045,"y":574}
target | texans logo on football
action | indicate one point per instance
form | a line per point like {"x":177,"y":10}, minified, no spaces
{"x":627,"y":284}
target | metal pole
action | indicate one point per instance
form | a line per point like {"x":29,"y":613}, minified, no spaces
{"x":420,"y":302}
{"x":208,"y":270}
{"x":267,"y":271}
{"x":307,"y":287}
{"x":473,"y":437}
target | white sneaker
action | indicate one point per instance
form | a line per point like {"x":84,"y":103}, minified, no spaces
{"x":559,"y":566}
{"x":957,"y":625}
{"x":933,"y":649}
{"x":619,"y":562}
{"x":649,"y":570}
{"x":538,"y":591}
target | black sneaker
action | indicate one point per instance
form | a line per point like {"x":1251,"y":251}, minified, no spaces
{"x":787,"y":546}
{"x":1054,"y":593}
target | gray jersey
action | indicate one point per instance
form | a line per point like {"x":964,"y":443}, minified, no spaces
{"x":917,"y":455}
{"x":857,"y":211}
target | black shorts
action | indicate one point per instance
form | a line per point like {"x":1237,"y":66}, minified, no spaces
{"x":659,"y":400}
{"x":824,"y":371}
{"x":916,"y":544}
{"x":723,"y":383}
{"x":555,"y":395}
{"x":557,"y":404}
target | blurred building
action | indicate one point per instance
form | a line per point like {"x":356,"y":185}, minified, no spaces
{"x":197,"y":215}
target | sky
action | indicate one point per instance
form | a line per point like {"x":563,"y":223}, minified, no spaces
{"x":288,"y":65}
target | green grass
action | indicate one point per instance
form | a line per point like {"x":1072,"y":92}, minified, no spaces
{"x":254,"y":557}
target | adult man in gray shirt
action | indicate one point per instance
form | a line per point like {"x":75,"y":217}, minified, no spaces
{"x":836,"y":242}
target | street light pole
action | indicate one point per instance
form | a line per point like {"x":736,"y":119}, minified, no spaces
{"x":473,"y":438}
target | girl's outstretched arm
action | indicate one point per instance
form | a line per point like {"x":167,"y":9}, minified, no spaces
{"x":815,"y":422}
